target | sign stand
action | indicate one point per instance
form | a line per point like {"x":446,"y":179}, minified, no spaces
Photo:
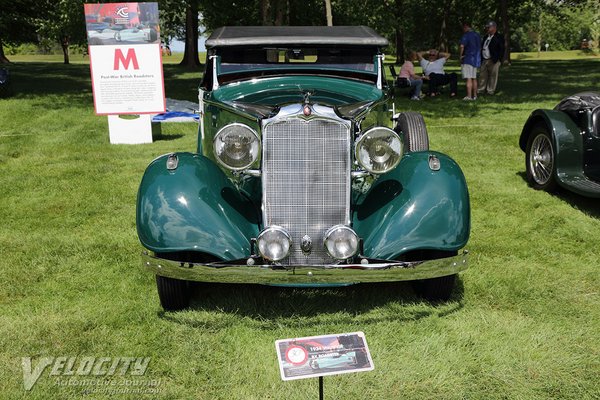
{"x":130,"y":129}
{"x":320,"y":388}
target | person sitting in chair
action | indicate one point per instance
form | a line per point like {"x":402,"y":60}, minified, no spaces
{"x":433,"y":70}
{"x":408,"y":78}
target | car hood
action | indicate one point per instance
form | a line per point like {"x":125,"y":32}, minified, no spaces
{"x":279,"y":91}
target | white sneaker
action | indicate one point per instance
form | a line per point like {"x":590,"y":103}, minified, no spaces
{"x":415,"y":98}
{"x":467,"y":98}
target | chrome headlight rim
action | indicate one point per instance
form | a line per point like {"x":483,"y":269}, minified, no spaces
{"x":335,"y":229}
{"x":254,"y":159}
{"x":360,"y":141}
{"x":286,"y":236}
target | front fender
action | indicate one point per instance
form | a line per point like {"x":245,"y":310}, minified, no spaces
{"x":566,"y":138}
{"x":194,"y":208}
{"x":415,"y":208}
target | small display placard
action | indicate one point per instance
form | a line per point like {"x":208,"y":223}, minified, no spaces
{"x":314,"y":356}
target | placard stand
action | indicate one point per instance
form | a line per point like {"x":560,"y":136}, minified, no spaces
{"x":130,"y":129}
{"x":320,"y":388}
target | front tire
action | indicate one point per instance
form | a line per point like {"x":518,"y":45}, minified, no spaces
{"x":412,"y":125}
{"x":540,"y":159}
{"x":174,"y":294}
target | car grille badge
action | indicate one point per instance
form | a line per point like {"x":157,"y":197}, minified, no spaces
{"x":306,"y":244}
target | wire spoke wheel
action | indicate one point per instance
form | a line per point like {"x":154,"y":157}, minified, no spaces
{"x":540,"y":159}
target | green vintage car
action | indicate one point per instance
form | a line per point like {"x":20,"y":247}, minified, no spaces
{"x":562,"y":145}
{"x":303,"y":176}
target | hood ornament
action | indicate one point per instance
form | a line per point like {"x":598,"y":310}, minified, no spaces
{"x":307,"y":95}
{"x":307,"y":110}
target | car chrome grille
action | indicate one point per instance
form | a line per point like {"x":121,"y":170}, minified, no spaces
{"x":306,"y":182}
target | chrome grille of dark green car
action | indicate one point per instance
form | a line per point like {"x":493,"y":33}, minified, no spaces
{"x":306,"y":182}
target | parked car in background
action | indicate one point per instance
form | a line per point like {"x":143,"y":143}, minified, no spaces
{"x":562,"y":146}
{"x":303,"y":174}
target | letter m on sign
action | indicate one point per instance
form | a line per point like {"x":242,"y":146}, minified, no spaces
{"x":125,"y":60}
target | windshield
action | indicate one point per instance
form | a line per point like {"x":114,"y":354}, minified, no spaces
{"x":239,"y":60}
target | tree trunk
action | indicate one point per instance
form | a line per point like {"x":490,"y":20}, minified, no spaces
{"x":64,"y":44}
{"x":328,"y":14}
{"x":399,"y":46}
{"x":443,"y":38}
{"x":539,"y":35}
{"x":190,"y":53}
{"x":3,"y":59}
{"x":282,"y":16}
{"x":265,"y":6}
{"x":503,"y":13}
{"x":399,"y":34}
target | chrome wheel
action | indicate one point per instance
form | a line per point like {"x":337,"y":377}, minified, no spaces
{"x":541,"y":159}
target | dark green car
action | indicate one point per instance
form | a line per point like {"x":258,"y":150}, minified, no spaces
{"x":562,"y":146}
{"x":303,"y":176}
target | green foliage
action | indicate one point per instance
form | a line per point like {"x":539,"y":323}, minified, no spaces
{"x":562,"y":25}
{"x":17,"y":21}
{"x":62,"y":20}
{"x":172,"y":19}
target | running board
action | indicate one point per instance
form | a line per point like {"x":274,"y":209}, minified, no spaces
{"x":580,"y":184}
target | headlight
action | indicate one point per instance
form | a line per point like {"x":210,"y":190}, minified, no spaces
{"x":379,"y":150}
{"x":341,"y":242}
{"x":236,"y":146}
{"x":274,"y":243}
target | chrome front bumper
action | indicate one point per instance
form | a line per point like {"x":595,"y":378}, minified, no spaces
{"x":347,"y":274}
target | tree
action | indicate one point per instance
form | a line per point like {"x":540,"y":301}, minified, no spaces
{"x":62,"y":21}
{"x":190,"y":53}
{"x":16,"y":24}
{"x":328,"y":13}
{"x":502,"y":15}
{"x":180,"y":19}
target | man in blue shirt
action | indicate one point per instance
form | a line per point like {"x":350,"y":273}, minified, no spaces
{"x":470,"y":59}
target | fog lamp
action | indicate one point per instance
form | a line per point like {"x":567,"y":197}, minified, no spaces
{"x":274,"y":243}
{"x":236,"y":146}
{"x":341,"y":242}
{"x":379,"y":150}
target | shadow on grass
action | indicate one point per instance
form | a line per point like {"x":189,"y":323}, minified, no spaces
{"x":166,"y":137}
{"x":268,"y":307}
{"x":33,"y":79}
{"x":587,"y":205}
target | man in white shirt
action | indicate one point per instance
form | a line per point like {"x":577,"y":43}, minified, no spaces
{"x":433,"y":70}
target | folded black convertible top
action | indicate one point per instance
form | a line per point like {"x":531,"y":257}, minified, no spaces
{"x":295,"y":35}
{"x":579,"y":101}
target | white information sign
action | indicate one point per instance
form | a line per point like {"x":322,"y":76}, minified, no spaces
{"x":126,"y":67}
{"x":127,"y":79}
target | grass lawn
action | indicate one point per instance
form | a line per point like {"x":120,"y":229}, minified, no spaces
{"x":524,"y":322}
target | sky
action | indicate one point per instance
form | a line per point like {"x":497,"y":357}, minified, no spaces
{"x":178,"y":46}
